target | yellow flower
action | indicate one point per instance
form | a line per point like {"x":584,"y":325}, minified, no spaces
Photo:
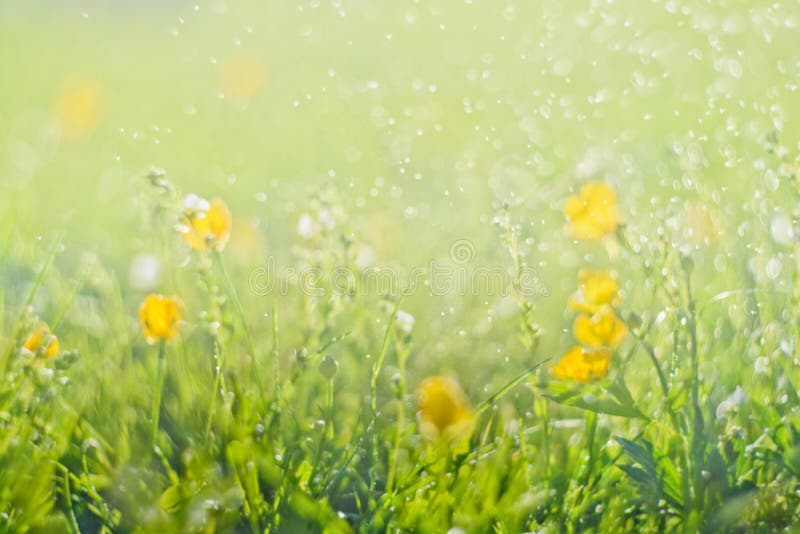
{"x":77,"y":107}
{"x":242,"y":75}
{"x":596,"y":289}
{"x":207,"y":224}
{"x":602,"y":329}
{"x":160,"y":317}
{"x":581,"y":364}
{"x":443,"y":410}
{"x":42,"y":343}
{"x":592,"y":214}
{"x":247,"y":242}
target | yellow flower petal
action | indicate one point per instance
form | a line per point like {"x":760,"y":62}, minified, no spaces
{"x":572,"y":366}
{"x":160,"y":317}
{"x":599,"y":362}
{"x":41,"y":342}
{"x":596,"y":289}
{"x":443,"y":409}
{"x":592,"y":214}
{"x":206,"y":225}
{"x":603,"y":329}
{"x":580,"y":364}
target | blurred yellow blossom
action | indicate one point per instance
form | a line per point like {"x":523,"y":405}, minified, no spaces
{"x":581,"y":364}
{"x":160,"y":317}
{"x":443,"y":410}
{"x":247,"y":240}
{"x":595,"y":290}
{"x":77,"y":106}
{"x":701,"y":223}
{"x":242,"y":75}
{"x":592,"y":214}
{"x":601,"y":329}
{"x":206,"y":224}
{"x":42,"y":343}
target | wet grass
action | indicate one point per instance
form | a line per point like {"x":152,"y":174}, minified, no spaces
{"x":383,"y":147}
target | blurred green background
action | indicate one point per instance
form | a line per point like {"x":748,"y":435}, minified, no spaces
{"x":425,"y":115}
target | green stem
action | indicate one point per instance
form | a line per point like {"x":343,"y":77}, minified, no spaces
{"x":662,"y":379}
{"x":591,"y":430}
{"x":526,"y":450}
{"x":327,"y":430}
{"x":275,"y":356}
{"x":73,"y":521}
{"x":546,"y":439}
{"x":219,"y":387}
{"x":341,"y":470}
{"x":103,"y":512}
{"x":697,"y":448}
{"x":402,"y":391}
{"x":157,"y":395}
{"x":494,"y":397}
{"x":376,"y":370}
{"x":239,"y":309}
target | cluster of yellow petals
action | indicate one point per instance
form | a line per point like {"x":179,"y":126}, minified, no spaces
{"x":596,"y":289}
{"x":597,"y":328}
{"x":160,"y":317}
{"x":42,"y":342}
{"x":206,"y":225}
{"x":592,"y":213}
{"x":582,"y":364}
{"x":601,"y":329}
{"x":443,"y":412}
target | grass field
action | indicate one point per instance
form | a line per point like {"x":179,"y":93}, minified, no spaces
{"x":414,"y":266}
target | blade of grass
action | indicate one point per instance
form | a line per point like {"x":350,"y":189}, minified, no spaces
{"x":373,"y":383}
{"x":497,"y":395}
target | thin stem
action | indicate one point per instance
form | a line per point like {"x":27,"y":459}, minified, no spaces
{"x":662,"y":379}
{"x":327,"y":430}
{"x":341,"y":470}
{"x":697,"y":440}
{"x":70,"y":300}
{"x":591,"y":430}
{"x":219,"y":387}
{"x":275,"y":356}
{"x":73,"y":521}
{"x":494,"y":397}
{"x":157,"y":395}
{"x":329,"y":419}
{"x":376,"y":370}
{"x":546,"y":438}
{"x":238,"y":304}
{"x":103,"y":512}
{"x":692,"y":325}
{"x":526,"y":452}
{"x":402,"y":389}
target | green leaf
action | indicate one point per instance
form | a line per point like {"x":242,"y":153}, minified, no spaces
{"x":605,"y":396}
{"x":171,"y":499}
{"x":654,"y":474}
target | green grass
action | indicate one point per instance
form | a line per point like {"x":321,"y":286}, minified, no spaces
{"x":402,"y":130}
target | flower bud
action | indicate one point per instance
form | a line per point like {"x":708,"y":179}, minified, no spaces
{"x":328,"y":367}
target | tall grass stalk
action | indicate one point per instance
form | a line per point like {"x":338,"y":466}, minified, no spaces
{"x":157,"y":394}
